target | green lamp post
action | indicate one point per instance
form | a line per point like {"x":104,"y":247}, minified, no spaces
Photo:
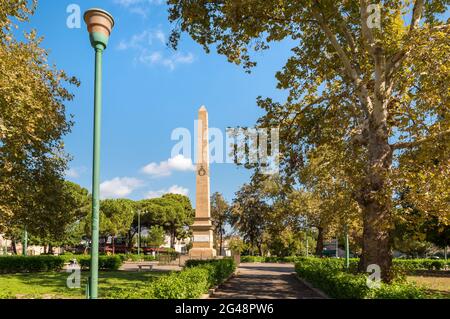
{"x":347,"y":249}
{"x":25,"y":242}
{"x":139,"y":233}
{"x":99,"y":24}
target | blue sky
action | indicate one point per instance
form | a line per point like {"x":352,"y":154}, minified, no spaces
{"x":150,"y":90}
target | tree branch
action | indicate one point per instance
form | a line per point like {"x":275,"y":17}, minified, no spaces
{"x":403,"y":145}
{"x":396,"y":60}
{"x":416,"y":15}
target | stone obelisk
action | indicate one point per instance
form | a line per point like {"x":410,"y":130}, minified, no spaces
{"x":203,"y":247}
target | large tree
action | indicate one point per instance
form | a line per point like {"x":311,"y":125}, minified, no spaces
{"x":380,"y":89}
{"x":118,"y":215}
{"x":173,"y":212}
{"x":32,"y":123}
{"x":249,"y":215}
{"x":220,"y":214}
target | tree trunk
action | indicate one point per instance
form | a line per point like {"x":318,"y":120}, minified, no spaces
{"x":50,"y":249}
{"x":319,"y":246}
{"x":13,"y":245}
{"x":172,"y":239}
{"x":375,"y":201}
{"x":260,"y":251}
{"x":113,"y":246}
{"x":220,"y":243}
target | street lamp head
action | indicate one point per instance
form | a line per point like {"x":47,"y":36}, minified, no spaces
{"x":99,"y":24}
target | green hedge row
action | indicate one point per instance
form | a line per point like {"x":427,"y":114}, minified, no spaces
{"x":19,"y":264}
{"x":399,"y":264}
{"x":135,"y":257}
{"x":419,"y":264}
{"x":104,"y":262}
{"x":329,"y":276}
{"x":260,"y":259}
{"x":191,"y":283}
{"x":22,"y":264}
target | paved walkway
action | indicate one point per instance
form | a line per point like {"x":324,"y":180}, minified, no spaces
{"x":265,"y":281}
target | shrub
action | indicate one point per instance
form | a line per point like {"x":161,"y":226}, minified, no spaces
{"x":188,"y":284}
{"x":19,"y":264}
{"x":135,"y":257}
{"x":104,"y":262}
{"x":409,"y":265}
{"x":329,"y":276}
{"x":197,"y":277}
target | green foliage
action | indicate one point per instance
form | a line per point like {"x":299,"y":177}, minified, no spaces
{"x":104,"y":262}
{"x":252,"y":259}
{"x":419,"y":264}
{"x":33,"y":121}
{"x":221,"y":216}
{"x":220,"y":269}
{"x":135,"y":257}
{"x":358,"y":101}
{"x":195,"y":280}
{"x":188,"y":284}
{"x":172,"y":212}
{"x":155,"y":237}
{"x":329,"y":276}
{"x":20,"y":264}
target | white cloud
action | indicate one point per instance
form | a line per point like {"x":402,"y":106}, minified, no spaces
{"x":139,"y":7}
{"x":171,"y":62}
{"x":165,"y":168}
{"x":75,"y":172}
{"x":142,"y":40}
{"x":175,"y":189}
{"x":129,"y":3}
{"x":119,"y":187}
{"x":150,"y":48}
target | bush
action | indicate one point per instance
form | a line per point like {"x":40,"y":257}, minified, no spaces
{"x":329,"y":276}
{"x":135,"y":257}
{"x":197,"y":277}
{"x":20,"y":264}
{"x":409,"y":265}
{"x":104,"y":262}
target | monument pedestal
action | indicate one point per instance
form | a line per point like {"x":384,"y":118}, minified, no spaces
{"x":202,"y":247}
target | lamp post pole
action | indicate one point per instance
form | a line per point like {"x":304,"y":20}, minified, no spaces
{"x":337,"y":246}
{"x":25,"y":242}
{"x":100,"y":24}
{"x":139,"y":233}
{"x":347,"y":249}
{"x":306,"y":235}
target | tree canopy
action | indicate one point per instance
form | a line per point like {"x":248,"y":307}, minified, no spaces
{"x":368,"y":92}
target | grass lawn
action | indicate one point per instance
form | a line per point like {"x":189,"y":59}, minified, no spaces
{"x":53,"y":285}
{"x":436,"y":285}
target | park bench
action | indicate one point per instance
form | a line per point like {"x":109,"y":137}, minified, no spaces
{"x":142,"y":266}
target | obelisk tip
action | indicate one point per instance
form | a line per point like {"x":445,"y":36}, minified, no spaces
{"x":202,"y":109}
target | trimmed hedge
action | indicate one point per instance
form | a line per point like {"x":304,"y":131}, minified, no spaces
{"x":419,"y":264}
{"x":104,"y":262}
{"x":329,"y":276}
{"x":195,"y":280}
{"x":261,"y":259}
{"x":24,"y":264}
{"x":401,"y":265}
{"x":135,"y":257}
